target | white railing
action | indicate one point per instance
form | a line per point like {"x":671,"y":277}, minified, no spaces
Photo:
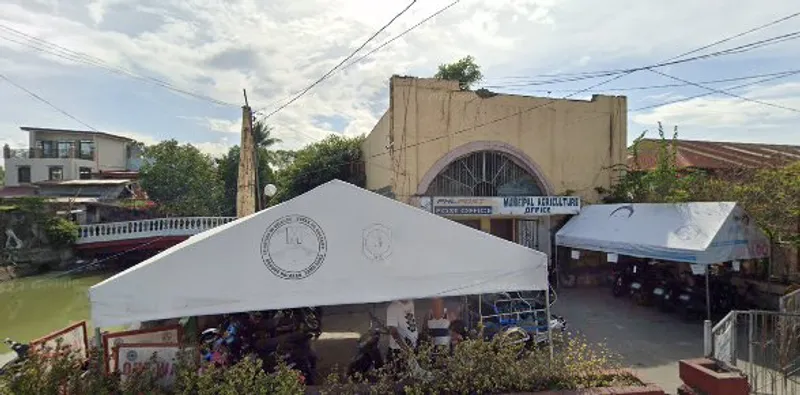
{"x":179,"y":226}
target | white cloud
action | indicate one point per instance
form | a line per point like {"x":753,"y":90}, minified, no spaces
{"x":729,"y":112}
{"x":276,"y":48}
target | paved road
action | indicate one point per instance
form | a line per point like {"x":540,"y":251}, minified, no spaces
{"x":650,"y":342}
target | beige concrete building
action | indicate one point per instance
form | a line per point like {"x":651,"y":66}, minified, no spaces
{"x":480,"y":158}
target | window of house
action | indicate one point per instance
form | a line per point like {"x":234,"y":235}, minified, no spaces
{"x":23,"y":174}
{"x":86,"y":149}
{"x":49,"y":149}
{"x":56,"y":173}
{"x":85,"y":173}
{"x":65,"y":149}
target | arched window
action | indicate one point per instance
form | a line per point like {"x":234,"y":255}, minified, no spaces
{"x":484,"y":173}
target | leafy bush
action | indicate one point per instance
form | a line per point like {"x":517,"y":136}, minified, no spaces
{"x":492,"y":367}
{"x":65,"y":373}
{"x":61,"y":232}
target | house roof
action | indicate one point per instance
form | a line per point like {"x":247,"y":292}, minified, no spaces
{"x":713,"y":155}
{"x":17,"y":191}
{"x":84,"y":182}
{"x":97,"y":133}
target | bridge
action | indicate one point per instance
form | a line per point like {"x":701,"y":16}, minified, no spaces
{"x":146,"y":234}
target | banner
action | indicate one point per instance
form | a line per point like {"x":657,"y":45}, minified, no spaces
{"x":519,"y":206}
{"x":133,"y":357}
{"x":73,"y":336}
{"x":167,"y":334}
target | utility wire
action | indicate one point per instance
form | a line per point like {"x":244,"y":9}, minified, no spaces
{"x":731,"y":51}
{"x":331,"y":71}
{"x":51,"y":48}
{"x":683,"y":99}
{"x":379,"y":47}
{"x":621,"y":74}
{"x":723,"y":92}
{"x":45,"y":101}
{"x":662,"y":86}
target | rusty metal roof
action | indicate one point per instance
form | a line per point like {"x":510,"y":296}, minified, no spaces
{"x":713,"y":155}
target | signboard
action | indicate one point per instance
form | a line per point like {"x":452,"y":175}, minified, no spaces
{"x":167,"y":334}
{"x":73,"y":336}
{"x":133,"y":357}
{"x":522,"y":206}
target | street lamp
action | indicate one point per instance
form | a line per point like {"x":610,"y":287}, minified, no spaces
{"x":269,"y":191}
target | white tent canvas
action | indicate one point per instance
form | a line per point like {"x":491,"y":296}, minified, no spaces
{"x":700,"y":233}
{"x":337,"y":244}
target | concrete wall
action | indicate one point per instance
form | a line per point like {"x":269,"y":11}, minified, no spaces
{"x":40,"y":168}
{"x":571,"y":143}
{"x":111,"y":153}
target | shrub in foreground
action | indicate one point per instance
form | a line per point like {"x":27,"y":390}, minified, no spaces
{"x":491,"y":367}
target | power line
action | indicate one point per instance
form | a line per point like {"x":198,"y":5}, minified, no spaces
{"x":620,"y":74}
{"x":331,"y":71}
{"x":379,"y":47}
{"x":711,"y":93}
{"x":662,"y":86}
{"x":720,"y":91}
{"x":45,"y":101}
{"x":51,"y":48}
{"x":606,"y":73}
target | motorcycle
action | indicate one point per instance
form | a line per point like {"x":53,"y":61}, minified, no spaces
{"x":623,"y":279}
{"x":368,"y":355}
{"x":21,"y":350}
{"x":666,"y":292}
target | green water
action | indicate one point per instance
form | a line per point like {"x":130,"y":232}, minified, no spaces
{"x":32,"y":307}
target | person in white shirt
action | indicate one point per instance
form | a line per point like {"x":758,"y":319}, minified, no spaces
{"x":402,"y":323}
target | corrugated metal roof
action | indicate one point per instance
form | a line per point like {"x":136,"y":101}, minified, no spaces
{"x":717,"y":154}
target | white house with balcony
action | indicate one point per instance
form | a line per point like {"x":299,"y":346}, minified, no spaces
{"x":62,"y":155}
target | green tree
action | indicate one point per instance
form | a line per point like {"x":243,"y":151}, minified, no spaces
{"x":228,"y":173}
{"x":2,"y":176}
{"x":465,"y":71}
{"x":335,"y":157}
{"x":182,"y":180}
{"x":666,"y":183}
{"x":280,"y":159}
{"x":262,"y":135}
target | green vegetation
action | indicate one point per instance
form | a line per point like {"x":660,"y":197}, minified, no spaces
{"x":335,"y":157}
{"x":476,"y":366}
{"x":465,"y":71}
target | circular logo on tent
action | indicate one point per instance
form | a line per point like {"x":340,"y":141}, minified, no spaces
{"x":132,"y":355}
{"x":293,"y":247}
{"x":377,"y":242}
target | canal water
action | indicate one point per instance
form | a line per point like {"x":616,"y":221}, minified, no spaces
{"x":32,"y":307}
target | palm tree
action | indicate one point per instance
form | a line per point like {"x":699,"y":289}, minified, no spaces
{"x":262,"y":135}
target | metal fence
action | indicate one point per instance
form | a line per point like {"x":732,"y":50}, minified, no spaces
{"x":763,"y":345}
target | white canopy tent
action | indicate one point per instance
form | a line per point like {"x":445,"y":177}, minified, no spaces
{"x":337,"y":244}
{"x":698,"y":233}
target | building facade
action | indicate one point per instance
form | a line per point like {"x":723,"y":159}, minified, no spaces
{"x":437,"y":145}
{"x":60,"y":154}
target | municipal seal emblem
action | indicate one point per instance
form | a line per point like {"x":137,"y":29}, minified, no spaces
{"x":131,"y":355}
{"x":293,"y":247}
{"x":377,"y":242}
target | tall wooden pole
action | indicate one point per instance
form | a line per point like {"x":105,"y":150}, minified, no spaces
{"x":246,"y":183}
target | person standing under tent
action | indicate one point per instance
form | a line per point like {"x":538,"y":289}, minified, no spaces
{"x":402,"y":324}
{"x":437,"y":325}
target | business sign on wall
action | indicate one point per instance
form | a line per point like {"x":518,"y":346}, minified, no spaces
{"x":526,"y":206}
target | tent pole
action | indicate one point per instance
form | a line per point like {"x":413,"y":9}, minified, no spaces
{"x":547,"y":320}
{"x":480,"y":315}
{"x":708,"y":294}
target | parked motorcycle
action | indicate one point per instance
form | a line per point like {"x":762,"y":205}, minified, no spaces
{"x":666,"y":292}
{"x":21,"y":351}
{"x":368,"y":355}
{"x":692,"y":299}
{"x":643,"y":283}
{"x":623,"y":278}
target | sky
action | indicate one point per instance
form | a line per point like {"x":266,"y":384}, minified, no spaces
{"x":274,"y":48}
